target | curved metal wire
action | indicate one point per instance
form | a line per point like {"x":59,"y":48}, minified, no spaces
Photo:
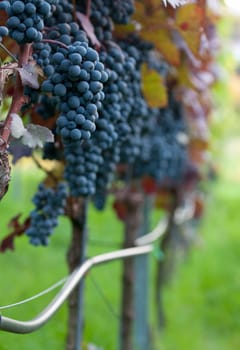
{"x":143,"y":246}
{"x":15,"y":326}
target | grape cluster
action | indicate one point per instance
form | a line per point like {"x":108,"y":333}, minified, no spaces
{"x":163,"y":156}
{"x":26,"y":18}
{"x":124,"y":112}
{"x":49,"y":205}
{"x":112,"y":125}
{"x":117,"y":104}
{"x":77,"y":80}
{"x":138,"y":114}
{"x":44,"y":105}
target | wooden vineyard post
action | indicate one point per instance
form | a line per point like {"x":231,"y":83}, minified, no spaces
{"x":141,"y":334}
{"x":164,"y":267}
{"x":76,"y":256}
{"x":133,"y":221}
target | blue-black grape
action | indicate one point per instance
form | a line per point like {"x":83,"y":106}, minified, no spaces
{"x":120,"y":10}
{"x":26,"y":18}
{"x":163,"y":156}
{"x":3,"y":32}
{"x":49,"y":205}
{"x":83,"y":161}
{"x":100,"y":18}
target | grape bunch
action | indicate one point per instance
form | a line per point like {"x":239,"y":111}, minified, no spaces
{"x":112,"y":126}
{"x":163,"y":156}
{"x":124,"y":111}
{"x":44,"y":105}
{"x":49,"y":205}
{"x":26,"y":18}
{"x":77,"y":80}
{"x":138,"y":114}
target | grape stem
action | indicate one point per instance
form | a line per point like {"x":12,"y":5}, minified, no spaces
{"x":39,"y":165}
{"x":56,"y":42}
{"x":88,"y":9}
{"x":17,"y":98}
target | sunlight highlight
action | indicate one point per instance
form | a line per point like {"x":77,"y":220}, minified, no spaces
{"x":233,"y":6}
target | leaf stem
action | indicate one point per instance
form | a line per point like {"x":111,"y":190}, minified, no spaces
{"x":40,"y":166}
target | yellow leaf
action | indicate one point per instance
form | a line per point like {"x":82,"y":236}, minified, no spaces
{"x":123,"y":30}
{"x":189,"y":22}
{"x":156,"y":29}
{"x":163,"y":44}
{"x":154,"y":90}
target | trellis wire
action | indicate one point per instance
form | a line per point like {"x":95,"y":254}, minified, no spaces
{"x":143,"y":246}
{"x":36,"y":296}
{"x":15,"y":326}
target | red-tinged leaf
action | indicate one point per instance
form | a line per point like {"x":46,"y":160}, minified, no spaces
{"x":88,"y":28}
{"x":120,"y":209}
{"x":149,"y":185}
{"x":14,"y":222}
{"x":154,"y":90}
{"x":198,"y":207}
{"x":8,"y":242}
{"x":189,"y":22}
